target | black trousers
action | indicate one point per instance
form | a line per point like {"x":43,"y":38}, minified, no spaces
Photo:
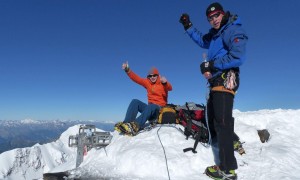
{"x":221,"y":126}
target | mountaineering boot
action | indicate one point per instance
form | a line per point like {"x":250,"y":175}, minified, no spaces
{"x":130,"y":129}
{"x":237,"y":146}
{"x":151,"y":126}
{"x":117,"y":127}
{"x":214,"y":172}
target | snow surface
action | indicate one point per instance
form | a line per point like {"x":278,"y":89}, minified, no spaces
{"x":142,"y":157}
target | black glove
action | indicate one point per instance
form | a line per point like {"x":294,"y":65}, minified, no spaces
{"x":185,"y":21}
{"x":207,"y":67}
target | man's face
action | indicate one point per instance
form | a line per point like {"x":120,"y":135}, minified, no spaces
{"x":152,"y":77}
{"x":215,"y":20}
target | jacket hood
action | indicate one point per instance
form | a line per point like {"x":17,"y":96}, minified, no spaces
{"x":153,"y":70}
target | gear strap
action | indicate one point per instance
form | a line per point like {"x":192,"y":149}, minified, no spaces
{"x":193,"y":149}
{"x":222,"y":89}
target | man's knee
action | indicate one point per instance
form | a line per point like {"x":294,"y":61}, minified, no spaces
{"x":135,"y":101}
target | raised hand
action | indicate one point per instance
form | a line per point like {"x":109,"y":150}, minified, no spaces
{"x":163,"y":79}
{"x":185,"y":21}
{"x":125,"y":66}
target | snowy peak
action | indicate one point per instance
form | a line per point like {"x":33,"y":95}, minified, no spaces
{"x":158,"y":153}
{"x":26,"y":133}
{"x":31,"y":162}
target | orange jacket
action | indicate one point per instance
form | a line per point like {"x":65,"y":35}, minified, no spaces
{"x":157,"y":92}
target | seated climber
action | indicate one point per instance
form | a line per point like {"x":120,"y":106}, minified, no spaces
{"x":157,"y":92}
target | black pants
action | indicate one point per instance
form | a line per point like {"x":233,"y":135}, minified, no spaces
{"x":221,"y":125}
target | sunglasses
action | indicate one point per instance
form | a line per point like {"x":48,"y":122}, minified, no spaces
{"x":152,"y":75}
{"x":210,"y":18}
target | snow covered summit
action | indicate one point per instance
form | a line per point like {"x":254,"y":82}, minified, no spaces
{"x":158,"y":154}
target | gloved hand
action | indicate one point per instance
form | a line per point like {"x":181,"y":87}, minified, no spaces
{"x":163,"y":79}
{"x":125,"y":66}
{"x":185,"y":21}
{"x":207,"y":67}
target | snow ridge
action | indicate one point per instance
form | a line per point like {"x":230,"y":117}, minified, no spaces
{"x":142,"y":157}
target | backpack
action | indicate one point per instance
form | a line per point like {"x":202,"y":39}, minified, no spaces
{"x":168,"y":115}
{"x":192,"y":118}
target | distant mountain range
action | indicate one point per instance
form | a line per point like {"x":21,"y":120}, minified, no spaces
{"x":26,"y":133}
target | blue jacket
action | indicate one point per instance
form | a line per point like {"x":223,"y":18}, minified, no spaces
{"x":226,"y":47}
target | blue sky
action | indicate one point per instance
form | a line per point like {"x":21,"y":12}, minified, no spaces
{"x":61,"y":59}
